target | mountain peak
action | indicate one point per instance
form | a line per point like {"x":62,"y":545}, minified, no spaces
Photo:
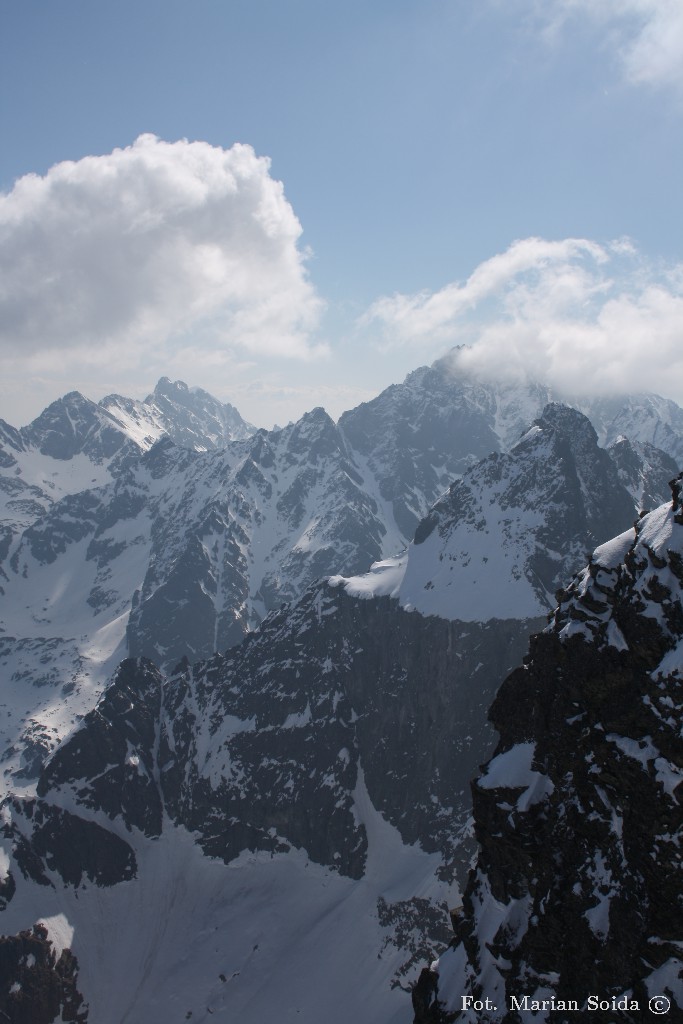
{"x":566,"y":420}
{"x":73,"y":424}
{"x":169,"y":388}
{"x":507,"y":533}
{"x":74,"y":398}
{"x":192,"y":417}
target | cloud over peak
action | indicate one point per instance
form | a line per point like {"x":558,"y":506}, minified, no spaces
{"x":155,"y":241}
{"x":583,"y":316}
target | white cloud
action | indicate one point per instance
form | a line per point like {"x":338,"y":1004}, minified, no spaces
{"x":647,"y":35}
{"x":155,"y":242}
{"x":585,"y":317}
{"x":505,"y":278}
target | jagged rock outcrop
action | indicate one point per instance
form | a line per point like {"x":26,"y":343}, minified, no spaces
{"x":577,"y":888}
{"x":47,"y":839}
{"x":38,"y":985}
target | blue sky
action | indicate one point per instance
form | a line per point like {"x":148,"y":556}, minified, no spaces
{"x":416,"y":143}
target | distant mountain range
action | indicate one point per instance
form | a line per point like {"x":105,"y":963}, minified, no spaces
{"x":316,"y":620}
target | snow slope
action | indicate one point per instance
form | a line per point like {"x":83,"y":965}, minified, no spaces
{"x":262,"y":936}
{"x":509,"y":531}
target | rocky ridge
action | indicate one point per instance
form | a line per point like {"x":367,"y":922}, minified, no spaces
{"x":75,"y":444}
{"x":38,"y":986}
{"x":576,"y":890}
{"x":190,"y":416}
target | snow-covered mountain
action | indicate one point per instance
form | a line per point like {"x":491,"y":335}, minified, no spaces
{"x":504,"y":537}
{"x":248,"y":527}
{"x":407,"y":445}
{"x":75,"y":445}
{"x":180,"y":556}
{"x":216,"y":836}
{"x":418,"y":436}
{"x":646,"y":418}
{"x":328,"y":756}
{"x":645,"y":471}
{"x":577,"y":888}
{"x":185,"y":552}
{"x":191,"y":417}
{"x":302,"y":799}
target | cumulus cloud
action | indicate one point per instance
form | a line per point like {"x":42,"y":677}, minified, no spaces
{"x":580,"y":315}
{"x":647,"y":35}
{"x":153,"y":242}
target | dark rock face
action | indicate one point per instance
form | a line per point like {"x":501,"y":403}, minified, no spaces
{"x":605,"y":505}
{"x":8,"y":887}
{"x":10,"y":438}
{"x":273,"y":746}
{"x":577,"y":888}
{"x":112,"y":753}
{"x":66,"y":523}
{"x":46,"y":839}
{"x":613,"y":880}
{"x":36,"y":987}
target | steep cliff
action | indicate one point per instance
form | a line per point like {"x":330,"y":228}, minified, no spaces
{"x":577,"y":890}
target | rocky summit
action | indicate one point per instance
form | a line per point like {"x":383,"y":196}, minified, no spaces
{"x":575,"y":900}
